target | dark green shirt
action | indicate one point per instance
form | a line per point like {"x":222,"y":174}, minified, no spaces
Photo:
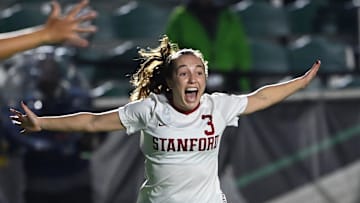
{"x":228,"y":50}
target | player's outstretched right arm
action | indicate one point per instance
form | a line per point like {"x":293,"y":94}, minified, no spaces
{"x":77,"y":122}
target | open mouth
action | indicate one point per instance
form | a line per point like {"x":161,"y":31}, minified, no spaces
{"x":191,"y":94}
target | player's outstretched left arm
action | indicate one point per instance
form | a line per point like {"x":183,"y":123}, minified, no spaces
{"x":57,"y":29}
{"x":272,"y":94}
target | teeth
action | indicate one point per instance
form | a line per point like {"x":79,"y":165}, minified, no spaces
{"x":191,"y":89}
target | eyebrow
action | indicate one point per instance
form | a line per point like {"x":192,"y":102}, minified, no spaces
{"x":197,"y":66}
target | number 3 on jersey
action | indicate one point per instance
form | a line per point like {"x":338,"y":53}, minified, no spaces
{"x":210,"y":123}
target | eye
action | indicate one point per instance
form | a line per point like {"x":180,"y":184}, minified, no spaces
{"x":182,"y":74}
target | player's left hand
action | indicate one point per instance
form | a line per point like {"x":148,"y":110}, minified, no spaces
{"x":310,"y":74}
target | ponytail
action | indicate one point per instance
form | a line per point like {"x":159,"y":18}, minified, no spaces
{"x":153,"y":71}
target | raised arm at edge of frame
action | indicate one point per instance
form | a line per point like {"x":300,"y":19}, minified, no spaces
{"x":57,"y":29}
{"x":21,"y":40}
{"x":271,"y":94}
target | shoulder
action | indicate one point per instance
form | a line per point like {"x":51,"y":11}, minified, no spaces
{"x":230,"y":106}
{"x":140,"y":106}
{"x":219,"y":98}
{"x":140,"y":111}
{"x":213,"y":96}
{"x":220,"y":95}
{"x":151,"y":101}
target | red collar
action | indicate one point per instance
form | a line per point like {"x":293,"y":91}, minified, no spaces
{"x":182,"y":111}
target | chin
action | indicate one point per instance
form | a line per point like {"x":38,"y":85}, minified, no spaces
{"x":192,"y":105}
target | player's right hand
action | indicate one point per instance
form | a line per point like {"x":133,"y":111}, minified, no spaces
{"x":29,"y":121}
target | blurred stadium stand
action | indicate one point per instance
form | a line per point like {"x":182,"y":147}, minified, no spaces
{"x":19,"y":16}
{"x":124,"y":26}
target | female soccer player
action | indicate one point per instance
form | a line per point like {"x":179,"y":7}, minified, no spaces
{"x":181,"y":125}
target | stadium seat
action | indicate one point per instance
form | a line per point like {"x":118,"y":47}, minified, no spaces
{"x":270,"y":61}
{"x":104,"y":40}
{"x":140,"y":20}
{"x":310,"y":17}
{"x":23,"y":15}
{"x":335,"y":56}
{"x":348,"y":22}
{"x":268,"y":57}
{"x":122,"y":29}
{"x":262,"y":19}
{"x":6,"y":3}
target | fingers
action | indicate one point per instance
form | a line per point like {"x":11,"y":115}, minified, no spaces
{"x":16,"y":112}
{"x":23,"y":105}
{"x":27,"y":121}
{"x":27,"y":110}
{"x":17,"y":119}
{"x":69,"y":28}
{"x":77,"y":8}
{"x":88,"y":29}
{"x":311,"y":73}
{"x":56,"y":9}
{"x":317,"y":63}
{"x":90,"y":15}
{"x":316,"y":66}
{"x":15,"y":122}
{"x":80,"y":42}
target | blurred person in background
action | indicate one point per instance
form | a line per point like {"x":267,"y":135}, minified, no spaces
{"x":210,"y":26}
{"x":59,"y":28}
{"x":54,"y":169}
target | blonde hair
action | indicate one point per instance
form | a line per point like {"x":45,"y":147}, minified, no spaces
{"x":156,"y":66}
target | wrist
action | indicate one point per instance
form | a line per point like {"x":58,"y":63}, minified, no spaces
{"x":44,"y":36}
{"x":41,"y":124}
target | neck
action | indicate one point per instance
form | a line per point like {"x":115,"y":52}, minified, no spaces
{"x":186,"y":112}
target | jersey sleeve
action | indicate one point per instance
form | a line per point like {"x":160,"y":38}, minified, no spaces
{"x":230,"y":106}
{"x":136,"y":115}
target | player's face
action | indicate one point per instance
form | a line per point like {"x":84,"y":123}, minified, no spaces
{"x":188,"y":82}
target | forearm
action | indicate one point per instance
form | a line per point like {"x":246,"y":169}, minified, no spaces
{"x":14,"y":42}
{"x":272,"y":94}
{"x":277,"y":92}
{"x":79,"y":122}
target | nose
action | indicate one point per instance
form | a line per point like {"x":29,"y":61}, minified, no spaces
{"x":192,"y":78}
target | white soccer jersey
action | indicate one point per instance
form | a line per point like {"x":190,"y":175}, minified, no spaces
{"x":181,"y":150}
